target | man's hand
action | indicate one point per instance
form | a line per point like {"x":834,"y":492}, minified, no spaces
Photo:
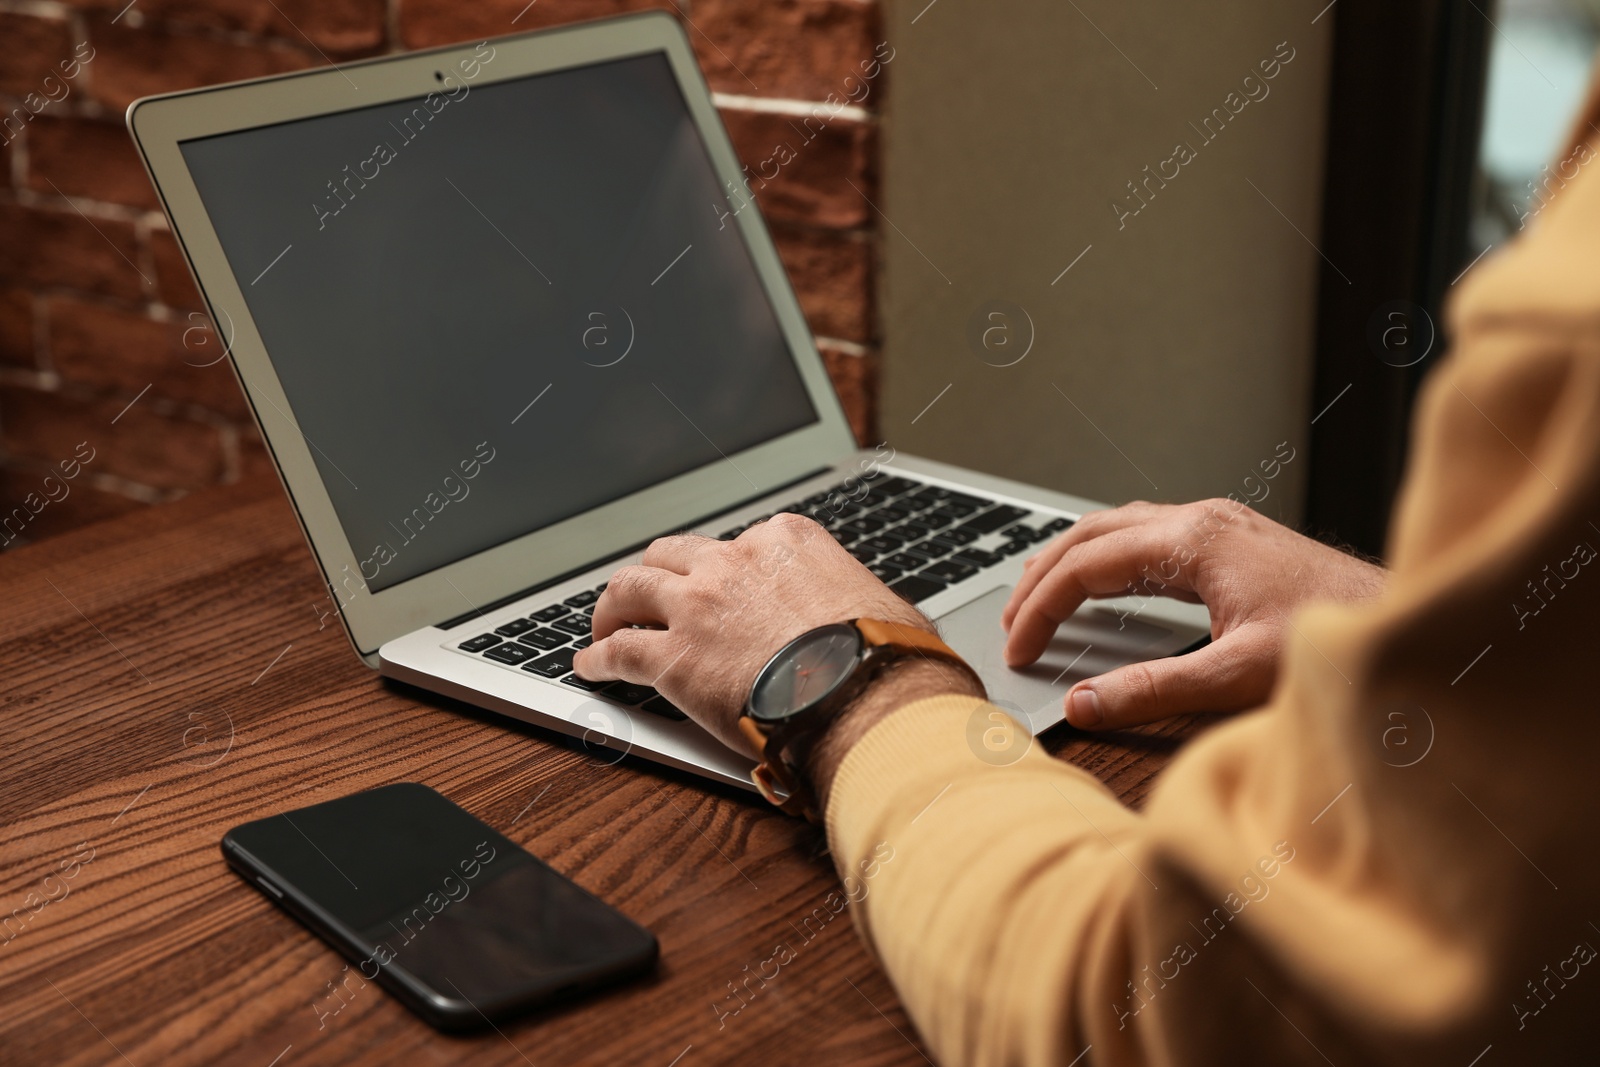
{"x":1249,"y":571}
{"x":719,"y":610}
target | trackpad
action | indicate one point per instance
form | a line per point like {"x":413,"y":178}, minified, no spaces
{"x":1092,"y":642}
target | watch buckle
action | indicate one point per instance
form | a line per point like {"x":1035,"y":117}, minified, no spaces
{"x":764,"y":779}
{"x":792,"y":801}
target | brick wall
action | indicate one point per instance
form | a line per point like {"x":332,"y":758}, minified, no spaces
{"x":101,"y":338}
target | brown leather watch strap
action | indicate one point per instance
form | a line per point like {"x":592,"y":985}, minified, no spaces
{"x":879,"y":633}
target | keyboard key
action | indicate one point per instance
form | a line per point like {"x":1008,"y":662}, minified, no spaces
{"x":479,"y":643}
{"x":949,"y":571}
{"x":957,"y":537}
{"x":994,"y":518}
{"x":914,"y":530}
{"x":895,"y":486}
{"x":1055,"y":526}
{"x":881,"y":543}
{"x":628,"y":693}
{"x":544,"y":639}
{"x":510,"y":652}
{"x":864,"y":555}
{"x":933,"y":549}
{"x":552,"y":666}
{"x":886,"y":573}
{"x":864,"y":525}
{"x":1020,"y":532}
{"x":929,"y":496}
{"x":1011,"y":548}
{"x":583,"y":642}
{"x":582,"y":600}
{"x":514,"y":627}
{"x":663,"y":707}
{"x":580,"y":683}
{"x":977,"y":557}
{"x":554,"y":611}
{"x":845,"y":537}
{"x":966,"y":500}
{"x":916,"y":588}
{"x":578,"y":625}
{"x":954,"y":511}
{"x":891,"y":513}
{"x":905,"y":561}
{"x":935,"y":520}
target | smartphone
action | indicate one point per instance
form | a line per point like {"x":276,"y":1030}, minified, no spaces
{"x":461,"y":924}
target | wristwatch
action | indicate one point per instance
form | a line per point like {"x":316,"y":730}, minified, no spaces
{"x":809,"y":683}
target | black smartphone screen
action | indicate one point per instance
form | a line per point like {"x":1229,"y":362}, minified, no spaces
{"x":457,"y":920}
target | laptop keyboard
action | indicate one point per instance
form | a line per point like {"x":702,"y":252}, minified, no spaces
{"x":920,"y":539}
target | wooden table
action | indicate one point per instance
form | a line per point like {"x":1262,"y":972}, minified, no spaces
{"x":164,"y":679}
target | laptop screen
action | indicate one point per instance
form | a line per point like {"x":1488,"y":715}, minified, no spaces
{"x":497,"y":309}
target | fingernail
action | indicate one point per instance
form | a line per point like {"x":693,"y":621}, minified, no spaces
{"x":1083,"y":707}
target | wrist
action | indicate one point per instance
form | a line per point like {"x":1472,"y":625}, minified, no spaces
{"x":900,"y":683}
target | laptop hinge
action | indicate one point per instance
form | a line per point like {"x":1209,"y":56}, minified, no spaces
{"x":451,"y":623}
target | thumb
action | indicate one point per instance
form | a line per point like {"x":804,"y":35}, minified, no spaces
{"x":1231,"y":674}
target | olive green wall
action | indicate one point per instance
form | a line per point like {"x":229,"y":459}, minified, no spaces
{"x":1174,"y":356}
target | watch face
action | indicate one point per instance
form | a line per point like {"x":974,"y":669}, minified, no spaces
{"x":805,"y":671}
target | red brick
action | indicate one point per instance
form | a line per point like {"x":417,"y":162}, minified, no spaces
{"x":123,"y":351}
{"x":130,"y":63}
{"x":425,"y":23}
{"x":342,"y":26}
{"x":58,"y":247}
{"x":42,"y":517}
{"x":16,"y":329}
{"x":795,"y":48}
{"x":141,"y":446}
{"x":34,"y":48}
{"x":88,"y":158}
{"x":801,"y":172}
{"x":173,"y":281}
{"x":832,"y":275}
{"x":855,"y":379}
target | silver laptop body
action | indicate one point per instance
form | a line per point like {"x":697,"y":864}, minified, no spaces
{"x":504,"y":313}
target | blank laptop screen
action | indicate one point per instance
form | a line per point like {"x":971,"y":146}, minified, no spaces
{"x":500,"y":308}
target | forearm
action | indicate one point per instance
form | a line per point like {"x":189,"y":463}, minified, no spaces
{"x":986,"y":890}
{"x":903,"y":683}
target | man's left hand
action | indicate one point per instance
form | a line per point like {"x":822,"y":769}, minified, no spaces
{"x":698,"y":618}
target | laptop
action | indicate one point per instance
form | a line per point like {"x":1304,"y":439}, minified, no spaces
{"x":505,"y":312}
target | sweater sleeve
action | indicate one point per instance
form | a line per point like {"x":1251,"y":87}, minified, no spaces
{"x":1387,"y":863}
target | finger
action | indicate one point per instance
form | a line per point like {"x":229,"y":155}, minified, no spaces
{"x":1092,"y":525}
{"x":631,"y":655}
{"x":1103,"y":567}
{"x":1231,"y":674}
{"x":634,"y":596}
{"x":678,"y":552}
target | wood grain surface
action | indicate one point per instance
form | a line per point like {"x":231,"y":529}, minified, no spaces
{"x":164,"y":679}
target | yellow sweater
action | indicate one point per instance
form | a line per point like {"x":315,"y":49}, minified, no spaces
{"x":1390,"y":862}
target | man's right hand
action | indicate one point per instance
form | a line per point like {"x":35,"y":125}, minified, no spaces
{"x":1250,"y":572}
